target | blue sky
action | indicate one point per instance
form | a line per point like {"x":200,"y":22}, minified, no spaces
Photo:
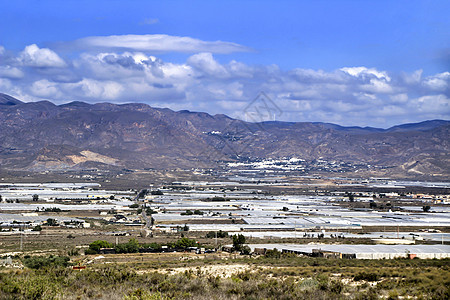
{"x":367,"y":63}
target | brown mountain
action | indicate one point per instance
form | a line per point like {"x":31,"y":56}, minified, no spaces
{"x":40,"y":136}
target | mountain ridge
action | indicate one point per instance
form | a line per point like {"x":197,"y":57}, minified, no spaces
{"x":44,"y":136}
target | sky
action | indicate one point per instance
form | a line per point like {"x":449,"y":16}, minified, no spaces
{"x":354,"y":63}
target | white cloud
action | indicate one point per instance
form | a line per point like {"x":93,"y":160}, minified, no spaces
{"x":46,"y":89}
{"x":94,"y":89}
{"x":155,"y":43}
{"x":377,"y":86}
{"x":206,"y":63}
{"x":365,"y":72}
{"x":413,"y":78}
{"x":349,"y":96}
{"x":438,"y":82}
{"x":34,"y":56}
{"x":399,"y":98}
{"x":10,"y":72}
{"x":437,"y":104}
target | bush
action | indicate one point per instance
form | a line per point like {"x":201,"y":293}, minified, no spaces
{"x":38,"y":262}
{"x":220,"y":234}
{"x":90,"y":252}
{"x":245,"y":250}
{"x":185,"y":243}
{"x":95,"y":247}
{"x":273,"y":253}
{"x":366,"y":277}
{"x":132,"y":246}
{"x":152,"y":246}
{"x":37,"y":228}
{"x":52,"y":222}
{"x":150,"y":211}
{"x":53,"y":209}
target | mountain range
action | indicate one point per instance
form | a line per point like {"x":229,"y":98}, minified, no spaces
{"x":38,"y":136}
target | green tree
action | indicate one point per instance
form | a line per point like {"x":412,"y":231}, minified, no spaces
{"x":132,"y":246}
{"x":97,"y":245}
{"x":219,"y":234}
{"x":426,"y":208}
{"x":35,"y":197}
{"x":150,"y":211}
{"x":238,"y":242}
{"x":37,"y":228}
{"x":185,"y":243}
{"x":142,"y":193}
{"x":52,"y":222}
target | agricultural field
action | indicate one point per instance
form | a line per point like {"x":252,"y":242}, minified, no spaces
{"x":221,"y":240}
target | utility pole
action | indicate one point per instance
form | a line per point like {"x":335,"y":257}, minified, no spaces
{"x":21,"y":241}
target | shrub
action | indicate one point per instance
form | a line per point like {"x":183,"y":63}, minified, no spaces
{"x":245,"y":250}
{"x":273,"y":253}
{"x":37,"y":228}
{"x":52,"y":222}
{"x":366,"y":277}
{"x":37,"y":262}
{"x":220,"y":234}
{"x":150,"y":211}
{"x":185,"y":243}
{"x":132,"y":246}
{"x":95,"y":246}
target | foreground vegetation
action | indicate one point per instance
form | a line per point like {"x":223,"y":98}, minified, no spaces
{"x":271,"y":277}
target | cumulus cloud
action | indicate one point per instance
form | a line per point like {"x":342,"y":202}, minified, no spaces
{"x":34,"y":56}
{"x":155,"y":43}
{"x":347,"y":96}
{"x":365,"y":72}
{"x":10,"y":72}
{"x":438,"y":82}
{"x":206,"y":64}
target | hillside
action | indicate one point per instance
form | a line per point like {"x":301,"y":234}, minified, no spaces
{"x":40,"y":136}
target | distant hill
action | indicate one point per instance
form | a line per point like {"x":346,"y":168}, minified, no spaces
{"x":8,"y":100}
{"x":43,"y":136}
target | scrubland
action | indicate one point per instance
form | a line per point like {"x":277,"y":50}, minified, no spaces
{"x":187,"y":276}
